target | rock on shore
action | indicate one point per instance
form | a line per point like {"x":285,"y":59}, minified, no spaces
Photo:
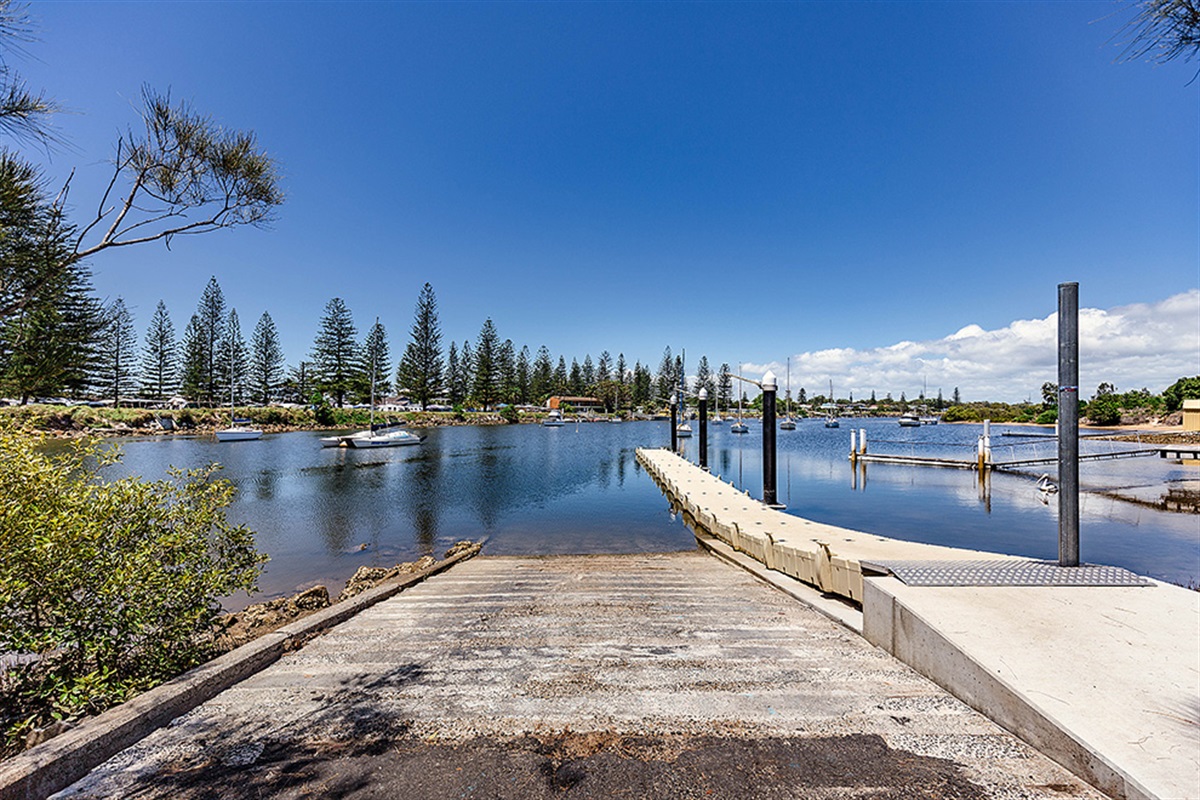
{"x":258,"y":619}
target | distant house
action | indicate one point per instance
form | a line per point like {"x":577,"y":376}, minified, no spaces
{"x":577,"y":403}
{"x":1191,"y":415}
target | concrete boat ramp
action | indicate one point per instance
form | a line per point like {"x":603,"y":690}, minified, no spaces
{"x":1095,"y":666}
{"x":681,"y":675}
{"x":673,"y":675}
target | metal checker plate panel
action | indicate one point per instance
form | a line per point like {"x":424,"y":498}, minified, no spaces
{"x":1006,"y":573}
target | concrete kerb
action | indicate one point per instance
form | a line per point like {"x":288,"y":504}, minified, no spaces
{"x":889,"y":625}
{"x":53,"y":765}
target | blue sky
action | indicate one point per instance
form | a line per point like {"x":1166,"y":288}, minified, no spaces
{"x":851,"y":185}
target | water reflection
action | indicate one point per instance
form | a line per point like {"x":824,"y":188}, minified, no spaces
{"x":422,"y":490}
{"x":265,"y":483}
{"x":1003,"y":513}
{"x":579,"y":489}
{"x":323,"y":512}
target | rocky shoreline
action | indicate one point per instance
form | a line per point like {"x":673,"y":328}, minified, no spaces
{"x":258,"y":619}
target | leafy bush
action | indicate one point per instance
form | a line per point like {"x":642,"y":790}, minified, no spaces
{"x":1105,"y":409}
{"x":1047,"y":417}
{"x":272,"y":416}
{"x":108,"y":587}
{"x":322,"y":411}
{"x":1180,"y":390}
{"x":510,"y":415}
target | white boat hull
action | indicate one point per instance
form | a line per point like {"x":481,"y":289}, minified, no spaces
{"x":238,"y":434}
{"x":394,"y":439}
{"x":345,"y":440}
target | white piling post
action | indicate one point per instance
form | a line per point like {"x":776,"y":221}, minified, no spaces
{"x":862,"y":441}
{"x":853,"y":446}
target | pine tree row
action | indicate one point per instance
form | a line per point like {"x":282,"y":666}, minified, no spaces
{"x":212,"y":364}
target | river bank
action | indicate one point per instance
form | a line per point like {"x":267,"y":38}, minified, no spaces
{"x":78,"y":421}
{"x":67,"y":422}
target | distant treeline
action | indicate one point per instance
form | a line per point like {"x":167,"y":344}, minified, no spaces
{"x":1106,"y":407}
{"x":213,"y":364}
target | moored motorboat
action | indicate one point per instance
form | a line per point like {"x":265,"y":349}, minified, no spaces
{"x":345,"y":439}
{"x":909,"y":420}
{"x":554,"y":419}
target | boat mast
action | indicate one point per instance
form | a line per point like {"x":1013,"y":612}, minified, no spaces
{"x":232,"y":384}
{"x":739,"y":391}
{"x":682,"y":384}
{"x":374,"y":369}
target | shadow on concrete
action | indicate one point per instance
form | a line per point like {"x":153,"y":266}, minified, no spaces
{"x":373,"y":756}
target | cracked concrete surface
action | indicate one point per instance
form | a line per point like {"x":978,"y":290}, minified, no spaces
{"x":671,"y":675}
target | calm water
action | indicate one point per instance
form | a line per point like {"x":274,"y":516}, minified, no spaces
{"x":323,"y":512}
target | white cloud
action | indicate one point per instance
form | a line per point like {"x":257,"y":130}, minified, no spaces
{"x":1134,"y":346}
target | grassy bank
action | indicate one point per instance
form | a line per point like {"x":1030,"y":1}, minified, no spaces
{"x":83,"y":420}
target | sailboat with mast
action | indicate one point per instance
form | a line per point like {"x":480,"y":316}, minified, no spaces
{"x":739,"y":426}
{"x":788,"y":424}
{"x":683,"y":430}
{"x":831,"y":420}
{"x":386,"y":435}
{"x":239,"y":430}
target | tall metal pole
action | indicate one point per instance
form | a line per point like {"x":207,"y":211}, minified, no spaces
{"x":1068,"y":424}
{"x":674,"y":426}
{"x":703,"y":428}
{"x":769,"y":387}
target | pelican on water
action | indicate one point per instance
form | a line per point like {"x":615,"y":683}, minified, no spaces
{"x":1047,"y":487}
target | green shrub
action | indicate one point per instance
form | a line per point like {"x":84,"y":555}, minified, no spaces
{"x":272,"y":416}
{"x":112,"y":585}
{"x":510,"y":415}
{"x":1104,"y":410}
{"x":959,"y":413}
{"x":1047,"y":417}
{"x":1180,"y":390}
{"x":322,"y":411}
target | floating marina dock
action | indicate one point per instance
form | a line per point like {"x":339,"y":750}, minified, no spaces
{"x":984,"y":459}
